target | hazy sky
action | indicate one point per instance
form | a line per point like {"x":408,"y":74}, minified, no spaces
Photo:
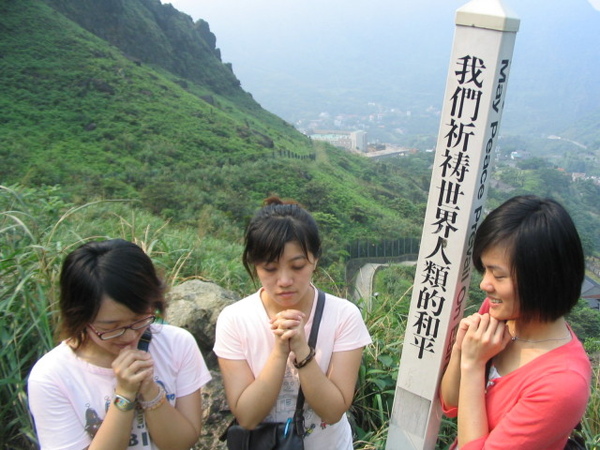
{"x":298,"y":42}
{"x":226,"y":17}
{"x":266,"y":20}
{"x":255,"y":29}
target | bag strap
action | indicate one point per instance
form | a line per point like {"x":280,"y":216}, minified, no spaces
{"x":314,"y":331}
{"x":312,"y":342}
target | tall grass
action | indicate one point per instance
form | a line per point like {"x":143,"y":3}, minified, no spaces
{"x":591,"y":421}
{"x":27,"y":271}
{"x":372,"y":407}
{"x":37,"y":229}
{"x":378,"y":372}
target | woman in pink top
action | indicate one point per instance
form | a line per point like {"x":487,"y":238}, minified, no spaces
{"x":518,"y":377}
{"x":262,"y":340}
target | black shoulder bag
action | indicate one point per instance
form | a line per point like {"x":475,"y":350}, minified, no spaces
{"x":576,"y":441}
{"x":277,"y":435}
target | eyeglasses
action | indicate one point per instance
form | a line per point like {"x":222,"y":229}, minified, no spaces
{"x":111,"y":334}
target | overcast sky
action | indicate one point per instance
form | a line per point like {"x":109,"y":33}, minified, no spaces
{"x":298,"y":42}
{"x":225,"y":16}
{"x":249,"y":29}
{"x":265,"y":20}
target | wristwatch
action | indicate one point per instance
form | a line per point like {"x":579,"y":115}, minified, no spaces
{"x":123,"y":404}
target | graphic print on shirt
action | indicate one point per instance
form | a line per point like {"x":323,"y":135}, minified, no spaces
{"x":286,"y":401}
{"x":312,"y":421}
{"x":286,"y":404}
{"x":92,"y":421}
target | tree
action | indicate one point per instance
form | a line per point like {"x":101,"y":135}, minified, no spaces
{"x":585,"y":321}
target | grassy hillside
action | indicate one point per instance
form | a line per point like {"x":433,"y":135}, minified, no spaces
{"x":78,"y":112}
{"x":152,"y":33}
{"x":82,"y":119}
{"x":118,"y":114}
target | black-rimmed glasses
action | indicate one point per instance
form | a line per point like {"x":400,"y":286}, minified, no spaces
{"x":111,"y":334}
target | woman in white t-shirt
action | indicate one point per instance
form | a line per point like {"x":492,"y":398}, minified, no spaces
{"x":262,"y":340}
{"x":100,"y":387}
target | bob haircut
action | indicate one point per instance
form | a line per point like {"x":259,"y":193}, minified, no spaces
{"x":114,"y":268}
{"x":544,"y":251}
{"x":273,"y":226}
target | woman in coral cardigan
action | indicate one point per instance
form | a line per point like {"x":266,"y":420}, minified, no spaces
{"x":518,"y":377}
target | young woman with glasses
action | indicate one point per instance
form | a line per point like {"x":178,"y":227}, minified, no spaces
{"x":99,"y":388}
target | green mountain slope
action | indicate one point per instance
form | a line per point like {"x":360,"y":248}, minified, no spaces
{"x":154,"y":115}
{"x":150,"y":32}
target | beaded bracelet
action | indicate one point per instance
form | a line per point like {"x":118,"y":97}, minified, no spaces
{"x":305,"y":361}
{"x":156,"y":401}
{"x":156,"y":405}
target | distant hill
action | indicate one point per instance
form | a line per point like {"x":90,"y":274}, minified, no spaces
{"x":152,"y":33}
{"x":341,"y":57}
{"x":129,"y":99}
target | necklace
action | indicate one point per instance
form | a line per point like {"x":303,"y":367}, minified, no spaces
{"x":517,"y":338}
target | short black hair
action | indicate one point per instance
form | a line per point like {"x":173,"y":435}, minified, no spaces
{"x":273,"y":226}
{"x":115,"y":268}
{"x":544,"y":250}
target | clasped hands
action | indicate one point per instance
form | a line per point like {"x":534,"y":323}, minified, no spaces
{"x":480,"y":337}
{"x":134,"y":370}
{"x":288,"y":328}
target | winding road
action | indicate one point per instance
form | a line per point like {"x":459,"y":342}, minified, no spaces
{"x":363,"y":288}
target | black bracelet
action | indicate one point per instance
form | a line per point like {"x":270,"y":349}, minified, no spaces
{"x":305,"y":361}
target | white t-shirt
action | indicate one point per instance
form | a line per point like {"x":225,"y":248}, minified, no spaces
{"x":69,"y":396}
{"x":244,"y":333}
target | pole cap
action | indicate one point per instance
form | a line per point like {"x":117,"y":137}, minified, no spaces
{"x":489,"y":14}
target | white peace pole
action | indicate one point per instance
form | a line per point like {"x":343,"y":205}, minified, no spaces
{"x":469,"y":130}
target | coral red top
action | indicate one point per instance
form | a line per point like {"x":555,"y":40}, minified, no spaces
{"x":537,"y":405}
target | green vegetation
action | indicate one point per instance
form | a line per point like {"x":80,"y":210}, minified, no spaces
{"x":82,"y":114}
{"x":374,"y":399}
{"x":541,"y":177}
{"x":134,"y":128}
{"x":38,"y":228}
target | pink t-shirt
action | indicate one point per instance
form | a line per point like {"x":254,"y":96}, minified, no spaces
{"x":243,"y":333}
{"x":68,"y":396}
{"x":538,"y":405}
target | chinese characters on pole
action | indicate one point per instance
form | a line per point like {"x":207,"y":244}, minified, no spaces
{"x":469,"y":130}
